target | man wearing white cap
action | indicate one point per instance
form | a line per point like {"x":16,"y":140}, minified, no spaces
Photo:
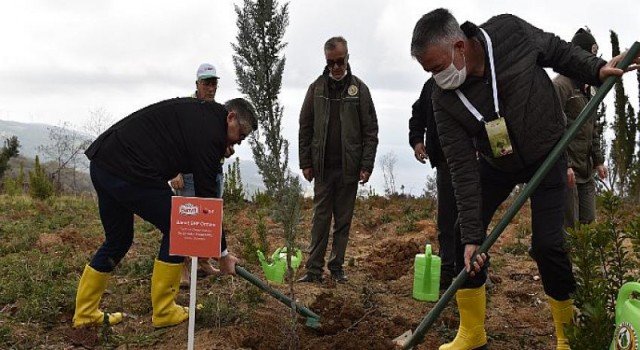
{"x":206,"y":87}
{"x":206,"y":83}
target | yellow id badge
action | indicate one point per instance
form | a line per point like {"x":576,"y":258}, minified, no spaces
{"x":498,"y":137}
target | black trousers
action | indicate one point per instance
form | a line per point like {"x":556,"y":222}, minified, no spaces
{"x":118,"y":200}
{"x":547,"y":218}
{"x":447,"y":216}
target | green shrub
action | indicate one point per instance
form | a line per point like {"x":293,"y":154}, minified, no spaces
{"x":261,"y":199}
{"x":233,"y":188}
{"x":409,"y":221}
{"x":5,"y":334}
{"x":10,"y":186}
{"x":602,"y":264}
{"x":253,"y":240}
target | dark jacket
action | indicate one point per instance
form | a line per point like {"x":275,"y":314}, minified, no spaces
{"x":359,"y":125}
{"x":528,"y":103}
{"x":423,"y":122}
{"x":154,"y":144}
{"x":584,"y":152}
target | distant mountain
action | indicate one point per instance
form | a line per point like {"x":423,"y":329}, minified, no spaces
{"x":32,"y":135}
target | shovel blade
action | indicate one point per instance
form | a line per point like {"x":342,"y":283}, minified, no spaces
{"x":402,"y":339}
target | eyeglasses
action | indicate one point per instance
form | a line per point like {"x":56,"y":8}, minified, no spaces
{"x":339,"y":61}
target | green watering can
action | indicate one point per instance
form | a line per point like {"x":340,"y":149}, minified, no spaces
{"x":627,"y":318}
{"x":275,"y":270}
{"x":426,"y":276}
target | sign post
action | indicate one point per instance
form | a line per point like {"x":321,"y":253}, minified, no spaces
{"x":196,"y":231}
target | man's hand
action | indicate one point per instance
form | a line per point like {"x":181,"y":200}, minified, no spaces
{"x":177,"y":182}
{"x":364,"y":176}
{"x":571,"y":178}
{"x":229,"y":151}
{"x":469,"y":250}
{"x":308,"y":174}
{"x":420,"y":152}
{"x":610,"y":69}
{"x":602,"y":171}
{"x":227,"y":264}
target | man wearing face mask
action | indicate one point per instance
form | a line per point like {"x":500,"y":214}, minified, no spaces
{"x":494,"y":99}
{"x":338,"y":138}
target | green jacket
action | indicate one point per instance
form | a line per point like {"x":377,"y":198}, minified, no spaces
{"x":359,"y":128}
{"x":584,"y":152}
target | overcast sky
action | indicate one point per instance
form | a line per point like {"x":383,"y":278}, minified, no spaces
{"x":59,"y":60}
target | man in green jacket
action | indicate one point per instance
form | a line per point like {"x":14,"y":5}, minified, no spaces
{"x":584,"y":153}
{"x":338,"y":138}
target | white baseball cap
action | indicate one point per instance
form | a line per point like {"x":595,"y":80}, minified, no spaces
{"x":206,"y":71}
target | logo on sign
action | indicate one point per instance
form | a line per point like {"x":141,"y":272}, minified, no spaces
{"x":188,"y":209}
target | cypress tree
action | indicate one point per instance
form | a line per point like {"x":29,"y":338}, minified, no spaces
{"x":259,"y":64}
{"x":625,"y":129}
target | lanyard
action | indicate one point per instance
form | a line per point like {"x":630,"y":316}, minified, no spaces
{"x":494,"y":86}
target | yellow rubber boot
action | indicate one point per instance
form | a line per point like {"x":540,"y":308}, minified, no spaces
{"x":90,"y":289}
{"x":165,"y":285}
{"x":471,"y":335}
{"x":562,"y":312}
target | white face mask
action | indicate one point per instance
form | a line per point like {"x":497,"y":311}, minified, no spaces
{"x":451,"y":78}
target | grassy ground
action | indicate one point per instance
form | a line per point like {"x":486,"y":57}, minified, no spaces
{"x":45,"y":246}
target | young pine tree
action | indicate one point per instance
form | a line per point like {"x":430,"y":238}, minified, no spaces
{"x":40,"y":187}
{"x":233,"y":188}
{"x":259,"y":65}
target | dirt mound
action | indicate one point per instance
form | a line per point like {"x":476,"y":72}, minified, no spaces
{"x":345,"y":324}
{"x":393,"y":259}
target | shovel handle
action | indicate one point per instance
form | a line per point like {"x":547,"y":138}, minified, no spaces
{"x":274,"y":293}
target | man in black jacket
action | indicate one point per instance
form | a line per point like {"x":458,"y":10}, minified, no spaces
{"x":423,"y":122}
{"x":131,"y":164}
{"x":505,"y":109}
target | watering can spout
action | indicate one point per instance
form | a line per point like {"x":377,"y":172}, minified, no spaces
{"x":262,"y":259}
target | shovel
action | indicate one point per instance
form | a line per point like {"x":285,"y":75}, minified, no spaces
{"x":312,"y":319}
{"x":410,"y":340}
